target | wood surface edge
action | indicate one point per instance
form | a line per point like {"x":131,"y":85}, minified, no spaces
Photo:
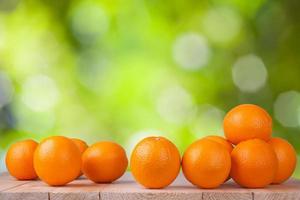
{"x":289,"y":191}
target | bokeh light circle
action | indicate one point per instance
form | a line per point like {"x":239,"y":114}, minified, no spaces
{"x":286,"y":108}
{"x":221,"y":24}
{"x":89,"y":21}
{"x":208,"y":121}
{"x":40,"y":93}
{"x":175,"y":104}
{"x":191,"y":51}
{"x":249,"y":73}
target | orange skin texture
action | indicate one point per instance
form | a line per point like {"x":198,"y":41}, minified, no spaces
{"x":254,"y":164}
{"x":19,"y":160}
{"x":82,"y":146}
{"x":287,"y":159}
{"x":221,"y":141}
{"x":155,"y":162}
{"x":104,"y":162}
{"x":57,"y":161}
{"x":247,"y":121}
{"x":206,"y":163}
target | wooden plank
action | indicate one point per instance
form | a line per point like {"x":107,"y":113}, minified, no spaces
{"x":24,"y":196}
{"x":9,"y":185}
{"x":288,"y":190}
{"x":6,"y":177}
{"x":37,"y":190}
{"x":228,"y":191}
{"x":7,"y":182}
{"x":81,"y":189}
{"x":33,"y":190}
{"x":74,"y":196}
{"x":126,"y":188}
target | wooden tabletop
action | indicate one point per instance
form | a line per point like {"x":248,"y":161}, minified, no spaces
{"x":125,"y":188}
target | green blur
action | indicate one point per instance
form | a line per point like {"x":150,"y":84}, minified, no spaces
{"x":107,"y":66}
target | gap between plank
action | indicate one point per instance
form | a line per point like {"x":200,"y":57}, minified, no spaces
{"x":5,"y":190}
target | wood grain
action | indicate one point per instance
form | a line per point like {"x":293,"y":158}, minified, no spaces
{"x":8,"y":182}
{"x":33,"y":190}
{"x":81,"y":189}
{"x":288,"y":190}
{"x":228,"y":191}
{"x":127,"y":189}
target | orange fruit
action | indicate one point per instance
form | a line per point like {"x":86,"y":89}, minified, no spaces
{"x":104,"y":162}
{"x":82,"y":146}
{"x":253,"y":164}
{"x":57,"y":160}
{"x":246,"y":122}
{"x":155,"y":162}
{"x":221,"y":141}
{"x":19,"y":160}
{"x":287,"y":159}
{"x":206,"y":163}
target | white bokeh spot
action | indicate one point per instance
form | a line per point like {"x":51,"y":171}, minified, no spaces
{"x":221,"y":24}
{"x":175,"y":105}
{"x":208,"y":121}
{"x":40,"y":93}
{"x":89,"y":21}
{"x":191,"y":51}
{"x":249,"y":73}
{"x":286,"y":108}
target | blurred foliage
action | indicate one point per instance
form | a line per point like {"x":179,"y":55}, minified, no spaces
{"x":122,"y":70}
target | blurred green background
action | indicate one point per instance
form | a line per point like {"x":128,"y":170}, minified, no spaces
{"x":122,"y":70}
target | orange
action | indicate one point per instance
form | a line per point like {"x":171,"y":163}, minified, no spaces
{"x":104,"y":162}
{"x":246,"y":122}
{"x":254,"y":164}
{"x":287,"y":159}
{"x":19,"y":160}
{"x":221,"y":141}
{"x":57,"y":160}
{"x":82,"y":146}
{"x":155,"y":162}
{"x":206,"y":163}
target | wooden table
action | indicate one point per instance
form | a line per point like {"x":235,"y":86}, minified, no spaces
{"x":126,"y":188}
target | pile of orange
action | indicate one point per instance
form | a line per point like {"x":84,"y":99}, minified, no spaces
{"x":257,"y":159}
{"x":248,"y":154}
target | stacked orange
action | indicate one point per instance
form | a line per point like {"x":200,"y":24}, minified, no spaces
{"x":255,"y":161}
